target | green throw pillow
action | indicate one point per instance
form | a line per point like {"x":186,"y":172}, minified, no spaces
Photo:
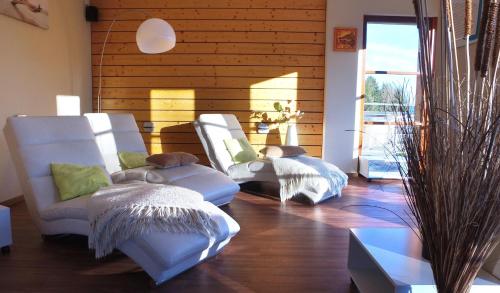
{"x":130,"y":160}
{"x":77,"y":180}
{"x":240,"y":150}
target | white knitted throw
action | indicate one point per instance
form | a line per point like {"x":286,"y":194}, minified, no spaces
{"x":309,"y":176}
{"x":123,"y":211}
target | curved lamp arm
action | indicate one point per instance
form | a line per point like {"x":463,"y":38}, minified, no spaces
{"x":153,"y":36}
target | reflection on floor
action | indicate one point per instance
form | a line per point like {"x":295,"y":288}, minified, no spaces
{"x":294,"y":248}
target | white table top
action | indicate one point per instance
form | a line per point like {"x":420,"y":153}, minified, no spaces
{"x":397,"y":251}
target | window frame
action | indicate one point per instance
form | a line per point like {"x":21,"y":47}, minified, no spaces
{"x":383,"y":20}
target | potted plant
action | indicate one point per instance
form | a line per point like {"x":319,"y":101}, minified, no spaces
{"x":289,"y":117}
{"x":452,"y":174}
{"x":285,"y":116}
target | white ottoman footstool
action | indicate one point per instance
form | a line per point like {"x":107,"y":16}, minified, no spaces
{"x":5,"y":230}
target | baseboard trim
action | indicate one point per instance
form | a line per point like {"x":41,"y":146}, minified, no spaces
{"x":12,"y":201}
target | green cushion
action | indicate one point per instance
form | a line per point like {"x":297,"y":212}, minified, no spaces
{"x":241,"y":151}
{"x":77,"y":180}
{"x":130,"y":160}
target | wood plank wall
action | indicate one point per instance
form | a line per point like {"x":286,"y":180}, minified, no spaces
{"x":231,"y":57}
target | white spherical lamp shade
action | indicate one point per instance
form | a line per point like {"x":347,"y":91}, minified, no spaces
{"x":155,"y":36}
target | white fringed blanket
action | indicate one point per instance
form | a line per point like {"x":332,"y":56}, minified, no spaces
{"x":120,"y":212}
{"x":309,"y":176}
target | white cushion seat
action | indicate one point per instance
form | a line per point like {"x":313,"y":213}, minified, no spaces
{"x":169,"y":251}
{"x":170,"y":175}
{"x":259,"y":170}
{"x":215,"y":188}
{"x":75,"y":208}
{"x":214,"y":185}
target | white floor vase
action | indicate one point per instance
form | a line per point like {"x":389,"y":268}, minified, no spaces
{"x":291,"y":135}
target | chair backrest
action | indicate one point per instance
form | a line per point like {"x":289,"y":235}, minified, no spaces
{"x":115,"y":133}
{"x":36,"y":142}
{"x":212,"y":130}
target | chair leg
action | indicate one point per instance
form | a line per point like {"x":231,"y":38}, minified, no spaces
{"x":5,"y":250}
{"x":46,"y":237}
{"x":152,"y":284}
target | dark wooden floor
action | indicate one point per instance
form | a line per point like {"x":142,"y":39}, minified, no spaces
{"x":292,"y":248}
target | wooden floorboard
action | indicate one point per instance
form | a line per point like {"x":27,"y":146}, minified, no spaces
{"x":291,"y":248}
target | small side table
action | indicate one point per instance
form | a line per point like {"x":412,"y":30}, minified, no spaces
{"x":5,"y":230}
{"x":385,"y":260}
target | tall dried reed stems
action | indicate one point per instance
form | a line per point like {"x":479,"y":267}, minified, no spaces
{"x":452,"y":172}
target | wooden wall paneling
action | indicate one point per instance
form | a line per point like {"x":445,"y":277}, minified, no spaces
{"x":248,"y":128}
{"x":207,"y":70}
{"x":206,"y":82}
{"x":196,"y":25}
{"x":204,"y":105}
{"x":187,"y":116}
{"x":212,"y":14}
{"x":203,"y":93}
{"x":224,"y":37}
{"x":197,"y":149}
{"x":262,"y":139}
{"x":220,"y":48}
{"x":207,"y":59}
{"x":236,"y":57}
{"x":242,"y":4}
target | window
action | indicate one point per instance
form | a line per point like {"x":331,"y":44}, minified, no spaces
{"x":68,"y":105}
{"x":390,"y":70}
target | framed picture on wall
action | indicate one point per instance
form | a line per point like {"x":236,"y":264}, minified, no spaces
{"x":345,"y":39}
{"x":34,"y":12}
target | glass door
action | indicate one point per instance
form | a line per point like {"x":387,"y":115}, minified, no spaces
{"x":390,"y":71}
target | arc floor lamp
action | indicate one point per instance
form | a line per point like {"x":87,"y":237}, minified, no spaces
{"x":153,"y":36}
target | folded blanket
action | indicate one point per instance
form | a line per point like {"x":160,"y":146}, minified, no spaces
{"x":309,"y":176}
{"x":120,"y":212}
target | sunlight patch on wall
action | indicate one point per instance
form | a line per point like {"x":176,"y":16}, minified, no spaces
{"x":68,"y":105}
{"x":167,"y":105}
{"x":287,"y":81}
{"x":163,"y":100}
{"x":263,"y":96}
{"x":172,"y":94}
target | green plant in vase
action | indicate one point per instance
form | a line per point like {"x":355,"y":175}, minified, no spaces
{"x":286,"y":116}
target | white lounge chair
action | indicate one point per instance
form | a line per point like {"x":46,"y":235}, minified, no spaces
{"x":119,"y":132}
{"x":36,"y":142}
{"x":213,"y":129}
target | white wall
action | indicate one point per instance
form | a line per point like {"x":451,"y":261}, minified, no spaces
{"x":343,"y":76}
{"x":38,"y":64}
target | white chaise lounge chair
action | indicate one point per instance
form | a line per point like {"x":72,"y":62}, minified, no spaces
{"x":119,"y":132}
{"x":36,"y":142}
{"x":213,"y":129}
